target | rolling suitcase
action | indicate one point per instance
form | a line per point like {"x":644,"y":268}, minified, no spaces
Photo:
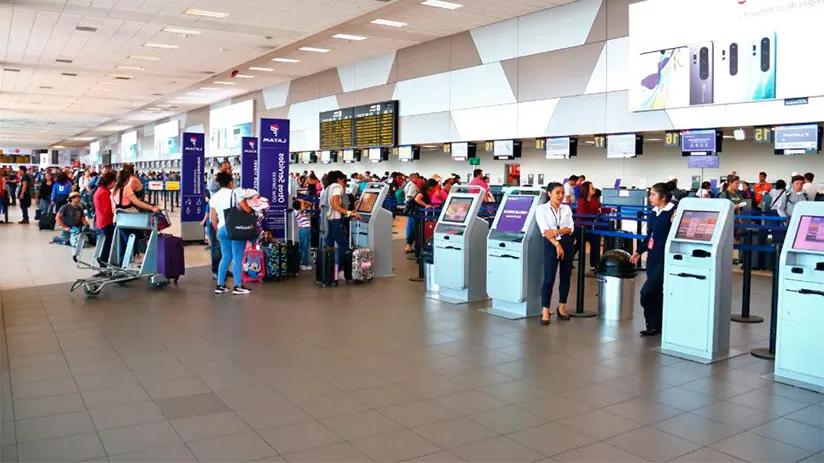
{"x":171,"y":260}
{"x":292,"y":258}
{"x":273,"y":260}
{"x":325,"y":271}
{"x":254,"y":268}
{"x":359,"y":261}
{"x":47,"y":220}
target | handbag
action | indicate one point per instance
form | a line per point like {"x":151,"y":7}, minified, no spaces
{"x":240,"y":226}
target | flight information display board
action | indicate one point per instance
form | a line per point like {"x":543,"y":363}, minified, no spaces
{"x":368,"y":126}
{"x":337,"y":129}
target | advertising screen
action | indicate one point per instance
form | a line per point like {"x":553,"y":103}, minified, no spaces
{"x":698,"y":141}
{"x":743,"y":51}
{"x":514,"y":213}
{"x":796,"y":139}
{"x":457,"y":210}
{"x":557,"y":148}
{"x":810,"y":236}
{"x":367,"y":202}
{"x":697,"y":225}
{"x":621,"y":146}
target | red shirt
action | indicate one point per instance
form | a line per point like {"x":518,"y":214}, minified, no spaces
{"x":593,"y":206}
{"x":104,"y":213}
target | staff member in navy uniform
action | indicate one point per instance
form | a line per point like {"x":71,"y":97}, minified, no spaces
{"x":658,"y":228}
{"x":555,"y":222}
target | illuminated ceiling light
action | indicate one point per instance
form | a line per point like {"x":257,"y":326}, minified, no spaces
{"x":144,"y":58}
{"x":165,"y":106}
{"x":195,"y":93}
{"x":314,"y":50}
{"x":387,"y":22}
{"x":244,"y":76}
{"x":163,"y":46}
{"x":349,"y":37}
{"x":181,"y":31}
{"x":223,"y":83}
{"x":83,"y":138}
{"x":442,"y":4}
{"x":206,"y":13}
{"x":209,"y":89}
{"x":286,"y":60}
{"x":255,"y":68}
{"x":130,"y":68}
{"x":114,"y":128}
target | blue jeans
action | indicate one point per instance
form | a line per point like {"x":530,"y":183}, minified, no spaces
{"x":337,"y":236}
{"x":231,"y":251}
{"x":410,"y":230}
{"x":305,"y":238}
{"x":106,"y":234}
{"x":214,"y":248}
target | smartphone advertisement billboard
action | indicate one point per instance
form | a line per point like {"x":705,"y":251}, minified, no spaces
{"x":686,"y":53}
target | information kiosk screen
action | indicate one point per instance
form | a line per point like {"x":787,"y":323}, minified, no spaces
{"x":514,"y":213}
{"x":810,"y":236}
{"x":697,"y":225}
{"x":457,"y":210}
{"x":367,"y":202}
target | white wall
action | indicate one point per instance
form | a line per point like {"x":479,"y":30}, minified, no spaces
{"x":657,"y":164}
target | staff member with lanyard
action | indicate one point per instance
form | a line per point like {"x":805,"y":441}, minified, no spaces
{"x":658,"y":228}
{"x":555,"y":222}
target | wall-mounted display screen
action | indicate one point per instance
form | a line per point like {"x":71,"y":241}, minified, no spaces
{"x":337,"y":129}
{"x":810,"y":236}
{"x":348,"y":155}
{"x":557,"y":148}
{"x":797,"y":139}
{"x":374,"y":155}
{"x":503,"y":149}
{"x":697,"y":225}
{"x":405,"y":154}
{"x":367,"y":126}
{"x":367,"y":202}
{"x":306,"y":157}
{"x":128,"y":146}
{"x":457,"y":210}
{"x":699,"y":142}
{"x":621,"y":146}
{"x":326,"y":157}
{"x":514,"y":213}
{"x":460,"y":151}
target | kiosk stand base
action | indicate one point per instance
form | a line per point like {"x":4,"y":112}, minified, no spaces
{"x":584,"y":314}
{"x":763,"y":353}
{"x":694,"y":358}
{"x":749,"y":319}
{"x":794,"y":383}
{"x":503,"y":313}
{"x":440,"y":296}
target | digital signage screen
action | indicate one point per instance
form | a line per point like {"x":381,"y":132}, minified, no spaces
{"x":810,"y":236}
{"x":622,"y":146}
{"x":797,"y":139}
{"x":697,"y":226}
{"x":457,"y":210}
{"x":514,"y":214}
{"x":405,"y":154}
{"x":503,"y":149}
{"x":557,"y":148}
{"x":367,"y":202}
{"x":699,"y":142}
{"x":337,"y":129}
{"x":460,"y":151}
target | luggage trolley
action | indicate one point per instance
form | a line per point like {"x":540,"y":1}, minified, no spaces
{"x":122,"y":272}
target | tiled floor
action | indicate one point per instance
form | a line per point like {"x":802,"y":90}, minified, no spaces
{"x":368,"y":373}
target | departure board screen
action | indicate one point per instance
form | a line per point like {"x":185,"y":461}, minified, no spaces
{"x":376,"y":125}
{"x":337,"y":129}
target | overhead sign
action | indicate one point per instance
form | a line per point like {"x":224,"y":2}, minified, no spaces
{"x":672,"y":139}
{"x":368,"y":126}
{"x":273,"y":172}
{"x":702,"y":162}
{"x":699,"y":141}
{"x":192,"y":197}
{"x":762,"y":135}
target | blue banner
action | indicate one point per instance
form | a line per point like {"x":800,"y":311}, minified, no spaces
{"x":273,"y":172}
{"x":192,"y":198}
{"x":248,"y":163}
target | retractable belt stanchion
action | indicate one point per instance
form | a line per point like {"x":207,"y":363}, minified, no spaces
{"x":420,"y":227}
{"x":768,"y":353}
{"x":746,"y":288}
{"x":582,"y":276}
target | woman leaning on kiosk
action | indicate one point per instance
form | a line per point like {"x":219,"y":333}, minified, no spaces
{"x":555,"y":222}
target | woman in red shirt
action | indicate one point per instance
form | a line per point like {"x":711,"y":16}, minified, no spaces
{"x":104,"y":213}
{"x":589,"y":204}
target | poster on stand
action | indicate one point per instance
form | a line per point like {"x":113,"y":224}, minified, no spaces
{"x":273,"y":174}
{"x":192,"y":196}
{"x":248,"y":163}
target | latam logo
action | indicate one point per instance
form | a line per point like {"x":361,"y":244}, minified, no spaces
{"x":277,"y":141}
{"x":275,"y":129}
{"x":251,"y":144}
{"x":193,"y":140}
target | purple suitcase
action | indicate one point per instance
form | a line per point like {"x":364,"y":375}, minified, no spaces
{"x":171,"y":261}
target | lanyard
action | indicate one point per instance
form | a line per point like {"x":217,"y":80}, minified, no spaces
{"x":557,"y":217}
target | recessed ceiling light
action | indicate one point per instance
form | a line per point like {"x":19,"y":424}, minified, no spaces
{"x":69,"y":74}
{"x":44,"y":87}
{"x":122,"y":77}
{"x":181,"y":31}
{"x":113,"y":128}
{"x":11,"y":70}
{"x":130,"y":68}
{"x":244,"y":76}
{"x":349,"y":37}
{"x":195,"y":93}
{"x":163,"y":46}
{"x":206,"y":13}
{"x":286,"y":60}
{"x":223,"y":83}
{"x":82,"y":138}
{"x":208,"y":88}
{"x":144,"y":58}
{"x":85,"y":29}
{"x":442,"y":4}
{"x":255,"y":68}
{"x":387,"y":22}
{"x":165,"y":106}
{"x":653,"y":139}
{"x":64,"y":61}
{"x":314,"y":50}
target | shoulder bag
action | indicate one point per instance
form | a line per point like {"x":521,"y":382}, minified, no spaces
{"x":240,"y":226}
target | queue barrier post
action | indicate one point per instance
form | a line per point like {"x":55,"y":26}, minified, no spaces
{"x":746,"y":289}
{"x":420,"y":227}
{"x":579,"y":295}
{"x":768,"y":353}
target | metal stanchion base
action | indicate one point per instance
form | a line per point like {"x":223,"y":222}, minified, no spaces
{"x":416,"y":279}
{"x":750,"y":319}
{"x":763,"y":353}
{"x":584,"y":314}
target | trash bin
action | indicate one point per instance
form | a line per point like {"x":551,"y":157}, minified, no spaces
{"x":428,"y":258}
{"x":617,"y":286}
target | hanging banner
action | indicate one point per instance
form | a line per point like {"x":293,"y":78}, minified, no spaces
{"x":248,"y":163}
{"x":273,"y":172}
{"x":192,"y":196}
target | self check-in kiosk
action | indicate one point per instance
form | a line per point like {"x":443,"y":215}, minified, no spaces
{"x":698,"y":281}
{"x":374,"y":229}
{"x":514,"y":256}
{"x":460,"y":247}
{"x":799,"y":332}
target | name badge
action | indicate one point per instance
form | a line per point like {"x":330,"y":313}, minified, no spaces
{"x":651,"y":243}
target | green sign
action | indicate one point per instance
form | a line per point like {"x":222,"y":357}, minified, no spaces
{"x":474,"y":161}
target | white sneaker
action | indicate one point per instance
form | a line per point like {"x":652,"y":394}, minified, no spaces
{"x":240,"y":290}
{"x":305,"y":268}
{"x":341,"y":275}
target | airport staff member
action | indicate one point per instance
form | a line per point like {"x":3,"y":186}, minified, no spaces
{"x":555,"y":222}
{"x":658,"y":228}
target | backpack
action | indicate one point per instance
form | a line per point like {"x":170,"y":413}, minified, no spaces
{"x":254,"y":267}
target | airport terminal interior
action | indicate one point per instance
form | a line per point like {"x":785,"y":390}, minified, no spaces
{"x":411,"y":230}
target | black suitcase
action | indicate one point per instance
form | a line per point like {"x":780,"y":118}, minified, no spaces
{"x":48,"y":220}
{"x":292,"y":258}
{"x":325,"y":274}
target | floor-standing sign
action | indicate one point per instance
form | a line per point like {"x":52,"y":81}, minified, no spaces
{"x":192,"y":195}
{"x":273,"y":172}
{"x":248,"y":163}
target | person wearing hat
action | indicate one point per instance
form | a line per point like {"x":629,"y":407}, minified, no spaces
{"x":71,"y":216}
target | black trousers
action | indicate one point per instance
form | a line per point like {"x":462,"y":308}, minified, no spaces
{"x":652,"y":295}
{"x":594,"y":248}
{"x":551,"y":265}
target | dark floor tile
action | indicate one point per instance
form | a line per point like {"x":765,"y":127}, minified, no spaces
{"x":361,"y":424}
{"x":552,"y":439}
{"x":793,"y":433}
{"x":192,"y":405}
{"x":696,"y":428}
{"x":653,"y":445}
{"x":643,"y":411}
{"x":499,"y":449}
{"x":397,"y":446}
{"x":752,"y":447}
{"x":735,"y":415}
{"x":599,"y":452}
{"x":600,"y":424}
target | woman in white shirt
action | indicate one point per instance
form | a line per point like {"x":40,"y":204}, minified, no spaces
{"x":334,"y":194}
{"x":231,"y":250}
{"x":556,"y":225}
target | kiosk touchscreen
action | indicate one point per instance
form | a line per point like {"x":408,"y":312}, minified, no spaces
{"x":698,"y":281}
{"x":514,"y":256}
{"x":799,"y":332}
{"x":374,"y":229}
{"x":460,"y":247}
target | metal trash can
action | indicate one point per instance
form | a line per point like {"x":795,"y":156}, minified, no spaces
{"x":616,"y":275}
{"x":428,"y":258}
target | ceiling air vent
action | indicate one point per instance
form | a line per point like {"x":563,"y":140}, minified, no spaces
{"x":44,"y":87}
{"x":65,"y":61}
{"x":11,"y":70}
{"x":208,"y":73}
{"x":122,"y":77}
{"x":69,"y":74}
{"x":85,"y":29}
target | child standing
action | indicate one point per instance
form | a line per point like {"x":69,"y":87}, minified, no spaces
{"x":304,"y":222}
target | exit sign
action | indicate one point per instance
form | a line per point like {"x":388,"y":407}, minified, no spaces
{"x":474,"y":161}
